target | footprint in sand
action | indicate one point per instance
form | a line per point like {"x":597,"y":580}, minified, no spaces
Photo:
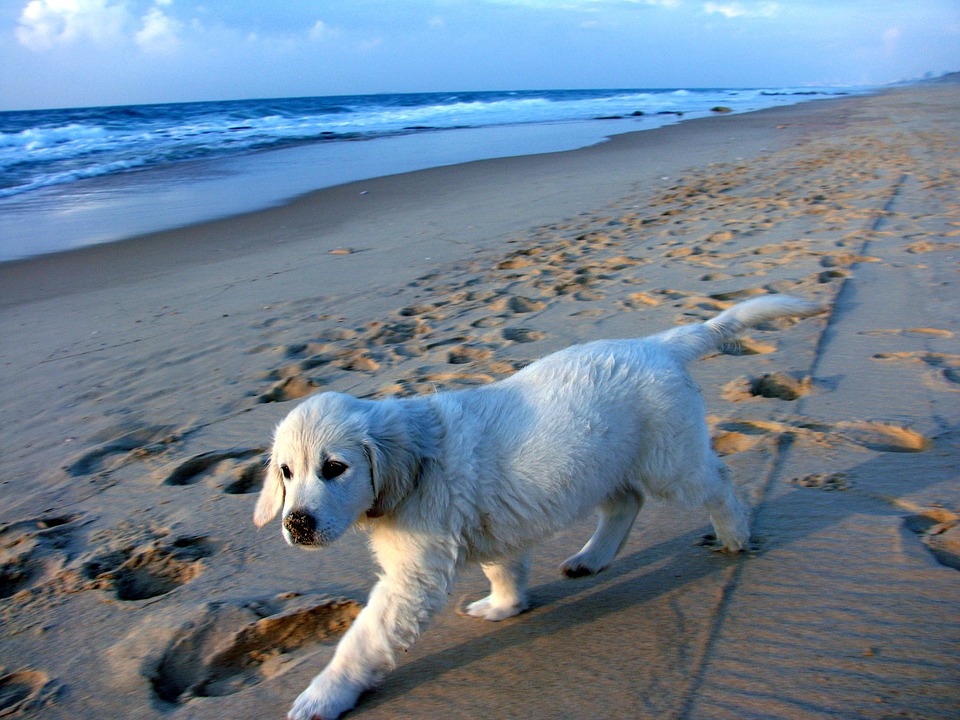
{"x":399,"y":332}
{"x":297,"y":380}
{"x":919,"y":332}
{"x":372,"y":349}
{"x":830,"y":275}
{"x":944,"y":367}
{"x":118,"y":446}
{"x":25,"y":691}
{"x":140,"y":573}
{"x":939,"y":530}
{"x":463,"y":354}
{"x":32,"y":552}
{"x":230,"y":647}
{"x":845,"y":260}
{"x":748,"y":346}
{"x":640,"y":301}
{"x":491,"y":321}
{"x":430,"y":383}
{"x":522,"y":335}
{"x":516,"y":304}
{"x":246,"y":478}
{"x":733,"y":436}
{"x":923,"y":246}
{"x":823,"y":481}
{"x":291,"y":388}
{"x":234,"y":472}
{"x":881,"y":437}
{"x":777,"y":385}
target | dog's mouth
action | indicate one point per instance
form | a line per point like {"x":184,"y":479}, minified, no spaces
{"x":306,"y":545}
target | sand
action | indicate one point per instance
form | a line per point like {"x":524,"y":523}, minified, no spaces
{"x":141,"y":382}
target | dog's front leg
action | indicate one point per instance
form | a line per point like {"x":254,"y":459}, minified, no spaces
{"x":398,"y":609}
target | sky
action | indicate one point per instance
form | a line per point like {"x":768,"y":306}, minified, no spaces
{"x":73,"y":53}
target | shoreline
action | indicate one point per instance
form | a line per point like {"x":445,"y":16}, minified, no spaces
{"x":120,"y":261}
{"x":109,"y":207}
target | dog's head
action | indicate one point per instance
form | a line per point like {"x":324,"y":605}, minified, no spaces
{"x":336,"y":459}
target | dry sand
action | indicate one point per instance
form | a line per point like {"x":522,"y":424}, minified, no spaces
{"x":141,"y":382}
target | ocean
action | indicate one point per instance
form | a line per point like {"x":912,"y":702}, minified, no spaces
{"x":75,"y":177}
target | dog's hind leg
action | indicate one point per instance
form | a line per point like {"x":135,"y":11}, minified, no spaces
{"x":508,"y":588}
{"x":617,"y":515}
{"x":727,"y":514}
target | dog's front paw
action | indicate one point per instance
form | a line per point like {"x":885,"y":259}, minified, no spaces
{"x":323,"y":700}
{"x":487,"y":610}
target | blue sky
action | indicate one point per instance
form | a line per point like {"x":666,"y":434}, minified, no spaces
{"x":65,"y":53}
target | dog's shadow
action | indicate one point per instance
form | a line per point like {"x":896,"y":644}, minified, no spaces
{"x":565,"y":604}
{"x":639,"y":578}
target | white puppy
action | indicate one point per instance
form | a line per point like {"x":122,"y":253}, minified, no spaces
{"x":482,"y":474}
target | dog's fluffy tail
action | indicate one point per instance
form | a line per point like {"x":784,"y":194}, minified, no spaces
{"x":690,"y":342}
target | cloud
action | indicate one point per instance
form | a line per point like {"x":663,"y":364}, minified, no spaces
{"x":322,"y":31}
{"x":159,"y":31}
{"x":736,"y":9}
{"x":45,"y":23}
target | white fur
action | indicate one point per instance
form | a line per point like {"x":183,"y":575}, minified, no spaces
{"x":482,"y":474}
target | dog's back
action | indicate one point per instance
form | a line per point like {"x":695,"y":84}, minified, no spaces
{"x":607,"y":413}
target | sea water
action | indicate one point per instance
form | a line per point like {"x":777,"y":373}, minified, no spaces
{"x":75,"y":177}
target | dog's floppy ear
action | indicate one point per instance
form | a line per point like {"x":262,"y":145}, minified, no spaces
{"x":395,"y":452}
{"x":271,"y":496}
{"x":387,"y":476}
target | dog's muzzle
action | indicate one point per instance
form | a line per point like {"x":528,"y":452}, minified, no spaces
{"x":301,"y":527}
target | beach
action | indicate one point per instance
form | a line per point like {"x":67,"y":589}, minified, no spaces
{"x":142,"y":381}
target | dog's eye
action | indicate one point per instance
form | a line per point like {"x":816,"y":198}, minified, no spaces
{"x":285,"y":471}
{"x":332,"y":469}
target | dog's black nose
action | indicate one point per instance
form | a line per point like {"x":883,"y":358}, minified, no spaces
{"x":301,"y":526}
